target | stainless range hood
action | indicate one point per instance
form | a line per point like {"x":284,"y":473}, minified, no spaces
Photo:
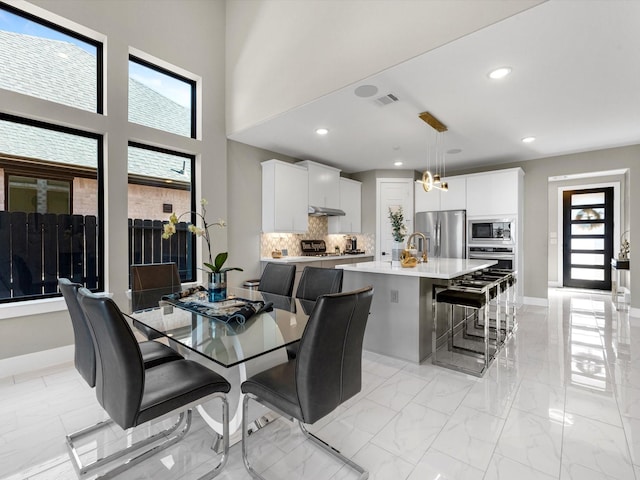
{"x":325,"y":212}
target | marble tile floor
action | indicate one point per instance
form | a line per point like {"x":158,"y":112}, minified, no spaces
{"x":561,"y":402}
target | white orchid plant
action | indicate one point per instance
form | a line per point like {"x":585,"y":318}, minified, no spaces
{"x":214,"y":265}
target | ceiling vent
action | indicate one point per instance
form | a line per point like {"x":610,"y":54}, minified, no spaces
{"x":387,"y":99}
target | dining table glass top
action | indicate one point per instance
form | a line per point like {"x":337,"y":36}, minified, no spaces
{"x":229,"y":343}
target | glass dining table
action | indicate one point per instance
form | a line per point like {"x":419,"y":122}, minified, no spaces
{"x":234,"y":349}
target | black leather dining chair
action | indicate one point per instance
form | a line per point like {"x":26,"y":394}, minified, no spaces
{"x":153,"y":353}
{"x":326,"y":372}
{"x":316,"y":281}
{"x":133,"y":395}
{"x":150,"y":281}
{"x":278,"y":278}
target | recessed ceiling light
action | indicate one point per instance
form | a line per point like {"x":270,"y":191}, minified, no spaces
{"x":454,"y":151}
{"x":499,"y":73}
{"x":322,"y":131}
{"x":397,"y":164}
{"x":528,"y":139}
{"x":63,"y":55}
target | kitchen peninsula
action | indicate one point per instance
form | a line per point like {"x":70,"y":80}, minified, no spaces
{"x":401,"y":320}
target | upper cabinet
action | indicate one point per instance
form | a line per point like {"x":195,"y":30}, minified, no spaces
{"x":435,"y":200}
{"x":351,"y":203}
{"x":324,"y":184}
{"x":456,"y":197}
{"x":285,"y":194}
{"x":496,"y":193}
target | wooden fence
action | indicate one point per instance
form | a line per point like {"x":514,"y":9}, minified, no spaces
{"x":36,"y":249}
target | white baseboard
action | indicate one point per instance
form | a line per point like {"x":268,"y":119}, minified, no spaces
{"x":554,"y":284}
{"x":540,"y":302}
{"x":36,"y":361}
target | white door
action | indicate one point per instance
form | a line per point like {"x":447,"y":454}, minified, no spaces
{"x":391,"y":193}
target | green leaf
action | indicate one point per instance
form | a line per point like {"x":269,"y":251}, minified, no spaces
{"x":219,"y":261}
{"x":226,"y":269}
{"x":210,"y":267}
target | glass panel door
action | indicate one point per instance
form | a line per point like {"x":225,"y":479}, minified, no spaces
{"x":588,"y":238}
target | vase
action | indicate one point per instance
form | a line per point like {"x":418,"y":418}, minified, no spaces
{"x":217,"y":286}
{"x":396,"y":251}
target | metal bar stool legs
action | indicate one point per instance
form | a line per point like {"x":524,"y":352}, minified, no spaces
{"x":458,"y":357}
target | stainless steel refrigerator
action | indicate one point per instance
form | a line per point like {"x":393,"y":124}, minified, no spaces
{"x":446,"y":233}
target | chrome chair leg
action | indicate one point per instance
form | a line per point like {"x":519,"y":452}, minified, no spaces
{"x":336,"y":453}
{"x":84,"y":469}
{"x":245,"y":435}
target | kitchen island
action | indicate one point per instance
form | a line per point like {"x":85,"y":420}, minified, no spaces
{"x":401,"y":320}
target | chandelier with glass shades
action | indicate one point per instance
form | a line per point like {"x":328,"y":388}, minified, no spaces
{"x":435,"y":179}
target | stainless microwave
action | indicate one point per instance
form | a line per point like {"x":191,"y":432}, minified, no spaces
{"x":495,"y":231}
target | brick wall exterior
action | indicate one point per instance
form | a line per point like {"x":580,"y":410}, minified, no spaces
{"x":85,"y":196}
{"x":145,"y":202}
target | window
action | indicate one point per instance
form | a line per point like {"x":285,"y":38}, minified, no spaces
{"x":160,"y":183}
{"x":161,"y":99}
{"x":38,"y":195}
{"x":47,"y":231}
{"x":46,"y":61}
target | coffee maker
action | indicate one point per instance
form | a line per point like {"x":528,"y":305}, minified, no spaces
{"x":352,"y":243}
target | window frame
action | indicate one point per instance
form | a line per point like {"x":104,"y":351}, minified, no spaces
{"x":192,"y":83}
{"x":136,"y":180}
{"x":78,"y":36}
{"x":100,"y":196}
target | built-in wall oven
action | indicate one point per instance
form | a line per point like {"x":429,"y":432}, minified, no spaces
{"x":491,"y":232}
{"x":504,"y":255}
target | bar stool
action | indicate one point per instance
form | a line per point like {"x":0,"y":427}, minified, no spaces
{"x":499,"y":287}
{"x":507,"y":281}
{"x":457,"y":357}
{"x":475,"y":328}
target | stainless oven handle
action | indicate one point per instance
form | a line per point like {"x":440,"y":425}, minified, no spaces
{"x":493,"y":256}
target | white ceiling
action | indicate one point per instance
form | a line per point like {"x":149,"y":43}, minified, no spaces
{"x":575,"y":86}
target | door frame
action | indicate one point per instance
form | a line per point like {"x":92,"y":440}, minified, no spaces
{"x":616,"y":219}
{"x":408,"y":218}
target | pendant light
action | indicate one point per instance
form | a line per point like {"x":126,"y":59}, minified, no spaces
{"x":435,"y":179}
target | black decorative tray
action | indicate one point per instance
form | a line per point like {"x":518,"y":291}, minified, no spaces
{"x":236,"y":309}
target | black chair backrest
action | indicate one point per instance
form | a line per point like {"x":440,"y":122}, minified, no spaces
{"x":329,"y":360}
{"x":85,"y":356}
{"x":278,"y":278}
{"x":149,"y":282}
{"x":119,"y":365}
{"x":317,"y":281}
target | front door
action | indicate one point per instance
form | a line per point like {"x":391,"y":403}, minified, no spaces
{"x":588,"y":238}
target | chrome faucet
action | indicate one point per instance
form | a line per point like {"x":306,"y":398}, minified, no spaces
{"x":411,"y":246}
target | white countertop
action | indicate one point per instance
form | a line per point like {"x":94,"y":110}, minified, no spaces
{"x":442,"y":268}
{"x":303,"y":258}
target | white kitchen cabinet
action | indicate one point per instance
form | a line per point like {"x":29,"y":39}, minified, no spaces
{"x":351,"y":203}
{"x":456,"y":197}
{"x":494,"y":194}
{"x":435,"y":200}
{"x":426,"y":201}
{"x":285,"y":192}
{"x":324,"y":184}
